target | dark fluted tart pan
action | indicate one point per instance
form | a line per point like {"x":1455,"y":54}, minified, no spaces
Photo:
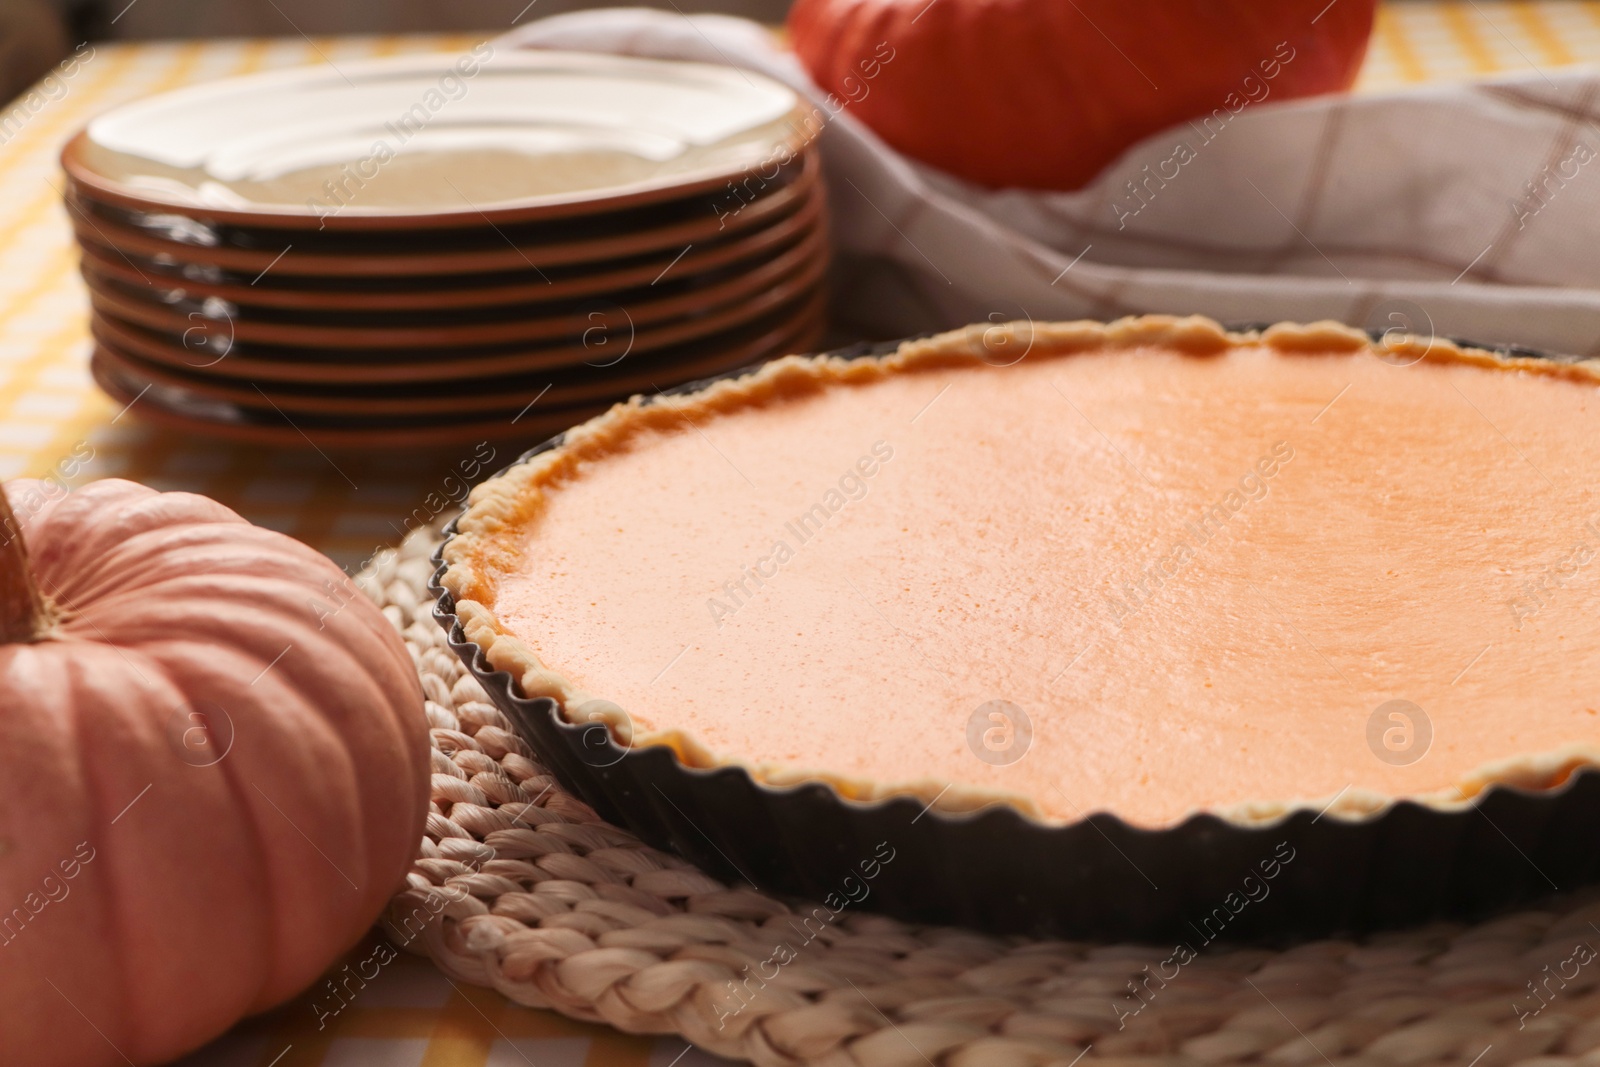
{"x":1206,"y":879}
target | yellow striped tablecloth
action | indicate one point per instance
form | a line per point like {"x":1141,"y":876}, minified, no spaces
{"x":51,"y":416}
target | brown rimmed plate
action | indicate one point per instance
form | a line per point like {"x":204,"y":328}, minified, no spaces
{"x":178,"y":409}
{"x":181,"y":410}
{"x":491,"y":249}
{"x":278,"y":289}
{"x":511,"y":136}
{"x":1098,"y":879}
{"x":565,"y":387}
{"x":527,"y":322}
{"x":594,"y":340}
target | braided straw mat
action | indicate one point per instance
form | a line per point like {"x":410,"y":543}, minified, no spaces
{"x":520,"y":886}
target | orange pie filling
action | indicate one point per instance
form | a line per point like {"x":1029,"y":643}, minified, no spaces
{"x":1149,"y":568}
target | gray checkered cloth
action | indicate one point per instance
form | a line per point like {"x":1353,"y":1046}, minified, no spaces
{"x":1469,"y":210}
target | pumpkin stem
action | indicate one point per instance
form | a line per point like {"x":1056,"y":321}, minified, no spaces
{"x":23,"y":616}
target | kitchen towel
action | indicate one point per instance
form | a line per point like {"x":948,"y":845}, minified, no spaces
{"x":1466,"y":210}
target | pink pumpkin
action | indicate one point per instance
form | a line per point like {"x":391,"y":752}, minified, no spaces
{"x":215,"y":770}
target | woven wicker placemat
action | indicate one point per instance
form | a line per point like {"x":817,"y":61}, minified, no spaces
{"x":522,"y":887}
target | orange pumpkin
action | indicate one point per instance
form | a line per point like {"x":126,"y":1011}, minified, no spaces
{"x":215,"y":763}
{"x":1042,"y":94}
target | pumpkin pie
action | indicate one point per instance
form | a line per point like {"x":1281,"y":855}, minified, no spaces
{"x":1151,"y":568}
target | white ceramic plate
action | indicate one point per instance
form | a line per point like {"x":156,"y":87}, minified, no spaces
{"x":440,"y":140}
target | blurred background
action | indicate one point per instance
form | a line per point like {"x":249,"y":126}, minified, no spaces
{"x":36,"y":34}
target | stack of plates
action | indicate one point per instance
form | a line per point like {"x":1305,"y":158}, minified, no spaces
{"x":434,"y":249}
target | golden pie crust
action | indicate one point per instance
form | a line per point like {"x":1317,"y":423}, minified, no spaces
{"x":485,"y":545}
